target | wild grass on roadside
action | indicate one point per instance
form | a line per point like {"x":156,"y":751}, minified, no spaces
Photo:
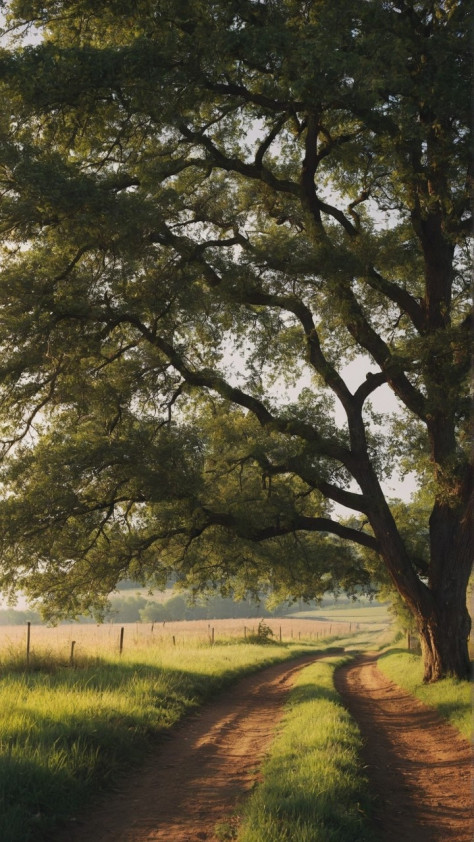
{"x":451,"y":697}
{"x":313,"y":789}
{"x":65,"y":732}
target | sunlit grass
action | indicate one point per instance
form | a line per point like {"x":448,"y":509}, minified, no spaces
{"x":67,"y":732}
{"x":451,"y":697}
{"x":313,"y":790}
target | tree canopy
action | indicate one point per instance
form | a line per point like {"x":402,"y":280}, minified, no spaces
{"x":209,"y":209}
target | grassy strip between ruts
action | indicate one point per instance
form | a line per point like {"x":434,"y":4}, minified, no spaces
{"x":451,"y":697}
{"x":67,"y":733}
{"x":313,"y":789}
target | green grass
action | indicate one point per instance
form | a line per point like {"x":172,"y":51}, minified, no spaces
{"x":451,"y":697}
{"x":66,"y":733}
{"x":313,"y":789}
{"x":348,"y":611}
{"x":372,"y":626}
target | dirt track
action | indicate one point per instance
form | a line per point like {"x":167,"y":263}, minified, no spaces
{"x":198,"y":776}
{"x":419,"y":767}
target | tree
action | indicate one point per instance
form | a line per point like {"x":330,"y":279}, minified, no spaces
{"x":203,"y":201}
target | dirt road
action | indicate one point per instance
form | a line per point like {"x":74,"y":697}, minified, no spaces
{"x":419,"y":767}
{"x":196,"y":778}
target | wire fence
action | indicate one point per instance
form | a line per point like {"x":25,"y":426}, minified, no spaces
{"x":70,"y":640}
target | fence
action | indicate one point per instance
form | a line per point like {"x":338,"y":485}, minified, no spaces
{"x":91,"y":640}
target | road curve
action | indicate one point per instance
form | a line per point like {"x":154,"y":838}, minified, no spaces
{"x":419,"y":766}
{"x":194,"y":780}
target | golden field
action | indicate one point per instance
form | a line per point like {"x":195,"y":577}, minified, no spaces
{"x":93,"y":640}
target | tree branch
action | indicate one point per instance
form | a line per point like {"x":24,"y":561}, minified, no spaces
{"x":316,"y":357}
{"x":364,"y":334}
{"x":298,"y":523}
{"x":399,"y":296}
{"x":265,"y":145}
{"x":314,"y":206}
{"x":233,"y":89}
{"x":211,"y":380}
{"x":298,"y":466}
{"x":370,"y":384}
{"x":253,"y":171}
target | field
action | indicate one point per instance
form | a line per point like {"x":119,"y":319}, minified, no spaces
{"x":96,"y":640}
{"x":368,"y":613}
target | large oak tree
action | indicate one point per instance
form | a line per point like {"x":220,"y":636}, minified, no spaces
{"x":205,"y":203}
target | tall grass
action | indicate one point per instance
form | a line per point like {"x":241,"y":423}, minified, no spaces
{"x":313,"y":790}
{"x":451,"y":697}
{"x":66,"y":733}
{"x":93,"y":639}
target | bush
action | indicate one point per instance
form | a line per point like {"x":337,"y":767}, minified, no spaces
{"x":264,"y":634}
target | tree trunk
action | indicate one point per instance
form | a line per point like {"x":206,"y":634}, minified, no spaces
{"x":445,"y":627}
{"x":439,"y":605}
{"x":444,"y":640}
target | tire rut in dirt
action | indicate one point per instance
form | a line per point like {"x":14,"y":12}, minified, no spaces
{"x":198,"y":776}
{"x":419,"y":767}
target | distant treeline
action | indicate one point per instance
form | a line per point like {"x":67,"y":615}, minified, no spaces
{"x":128,"y":609}
{"x":138,"y":608}
{"x":143,"y":609}
{"x":17,"y":617}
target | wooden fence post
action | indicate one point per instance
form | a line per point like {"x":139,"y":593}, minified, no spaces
{"x":28,"y":641}
{"x":122,"y":630}
{"x":71,"y":657}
